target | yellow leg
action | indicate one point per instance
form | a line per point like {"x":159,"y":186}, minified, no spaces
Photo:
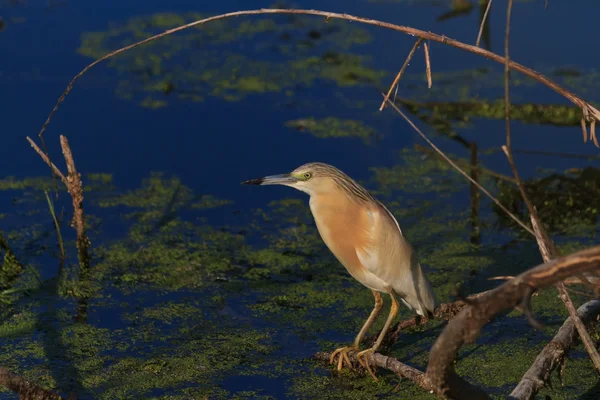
{"x":393,"y":312}
{"x":343,"y":351}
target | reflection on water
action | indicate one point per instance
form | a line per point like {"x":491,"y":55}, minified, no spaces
{"x":201,"y":287}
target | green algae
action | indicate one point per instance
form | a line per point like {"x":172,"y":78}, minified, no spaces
{"x":565,"y":200}
{"x":278,"y":54}
{"x":333,"y":128}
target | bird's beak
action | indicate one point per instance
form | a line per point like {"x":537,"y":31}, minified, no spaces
{"x":282,"y":179}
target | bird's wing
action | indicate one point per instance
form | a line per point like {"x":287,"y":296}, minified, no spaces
{"x":391,"y":216}
{"x":381,"y":241}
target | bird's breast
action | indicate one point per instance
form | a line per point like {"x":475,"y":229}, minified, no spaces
{"x":339,"y":225}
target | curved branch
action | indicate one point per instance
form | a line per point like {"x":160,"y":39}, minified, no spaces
{"x":465,"y":327}
{"x":589,"y":112}
{"x":554,"y":353}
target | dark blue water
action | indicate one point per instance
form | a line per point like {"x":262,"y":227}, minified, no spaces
{"x":214,"y":145}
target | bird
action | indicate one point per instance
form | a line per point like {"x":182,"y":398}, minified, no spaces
{"x":366,"y":239}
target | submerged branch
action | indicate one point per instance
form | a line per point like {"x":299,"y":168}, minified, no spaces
{"x":397,"y":79}
{"x":553,"y":354}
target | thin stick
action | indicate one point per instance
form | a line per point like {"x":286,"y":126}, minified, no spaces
{"x":463,"y":173}
{"x":507,"y":80}
{"x":47,"y":161}
{"x":397,"y":79}
{"x":427,"y":65}
{"x":585,"y":106}
{"x":60,"y":239}
{"x":483,"y":21}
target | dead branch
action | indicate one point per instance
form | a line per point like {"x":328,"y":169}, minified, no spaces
{"x":397,"y":79}
{"x":83,"y":243}
{"x":554,"y":353}
{"x":24,"y":388}
{"x":76,"y":191}
{"x":74,"y":186}
{"x":589,"y":112}
{"x":53,"y":167}
{"x":465,"y":327}
{"x":427,"y":65}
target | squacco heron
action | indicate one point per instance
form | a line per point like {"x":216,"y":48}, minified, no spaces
{"x":366,"y":239}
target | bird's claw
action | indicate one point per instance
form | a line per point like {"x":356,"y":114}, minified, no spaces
{"x":343,"y":356}
{"x":364,"y":361}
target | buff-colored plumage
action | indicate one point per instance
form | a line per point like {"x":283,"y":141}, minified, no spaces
{"x":366,"y":239}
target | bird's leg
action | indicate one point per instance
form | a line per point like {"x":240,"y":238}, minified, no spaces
{"x":343,"y":351}
{"x":393,"y":312}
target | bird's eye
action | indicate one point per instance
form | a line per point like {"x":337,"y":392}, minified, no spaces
{"x":307,"y":175}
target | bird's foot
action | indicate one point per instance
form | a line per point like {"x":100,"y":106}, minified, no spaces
{"x":363,"y":359}
{"x":343,"y":356}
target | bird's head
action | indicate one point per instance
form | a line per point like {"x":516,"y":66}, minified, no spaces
{"x":311,"y":178}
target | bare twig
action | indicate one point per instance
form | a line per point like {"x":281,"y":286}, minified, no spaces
{"x":554,"y":353}
{"x":397,"y":79}
{"x":53,"y":167}
{"x":58,"y":233}
{"x":483,"y":21}
{"x":463,"y":173}
{"x":24,"y":388}
{"x":588,"y":110}
{"x":427,"y":65}
{"x":74,"y":186}
{"x":465,"y":327}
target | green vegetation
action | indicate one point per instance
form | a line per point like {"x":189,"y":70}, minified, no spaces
{"x":278,"y":54}
{"x":178,"y":306}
